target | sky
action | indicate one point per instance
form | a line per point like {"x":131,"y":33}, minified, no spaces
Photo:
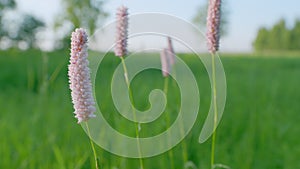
{"x":245,"y":16}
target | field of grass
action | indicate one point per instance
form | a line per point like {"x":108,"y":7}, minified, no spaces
{"x":259,"y":130}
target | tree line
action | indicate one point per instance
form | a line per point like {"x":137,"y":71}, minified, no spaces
{"x":19,"y":31}
{"x":278,"y":38}
{"x":22,"y":30}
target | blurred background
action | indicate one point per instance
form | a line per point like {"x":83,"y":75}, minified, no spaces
{"x":245,"y":25}
{"x":260,"y":51}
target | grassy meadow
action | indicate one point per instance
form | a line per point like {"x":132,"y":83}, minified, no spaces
{"x":259,"y":130}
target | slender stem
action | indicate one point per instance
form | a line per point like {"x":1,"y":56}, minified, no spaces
{"x":184,"y":146}
{"x":171,"y":155}
{"x":166,"y":85}
{"x":133,"y":111}
{"x":215,"y":109}
{"x":54,"y":75}
{"x":92,"y":144}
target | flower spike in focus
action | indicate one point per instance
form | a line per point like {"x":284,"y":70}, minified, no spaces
{"x":79,"y":77}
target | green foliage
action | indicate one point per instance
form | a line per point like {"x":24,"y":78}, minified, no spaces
{"x":88,"y":14}
{"x":28,"y":29}
{"x":261,"y":41}
{"x":259,"y":128}
{"x":201,"y":15}
{"x":295,"y":35}
{"x":279,"y":37}
{"x":24,"y":32}
{"x":5,"y":4}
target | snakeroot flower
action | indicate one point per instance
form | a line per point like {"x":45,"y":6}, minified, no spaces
{"x":122,"y":32}
{"x":171,"y":53}
{"x":79,"y":77}
{"x":213,"y":25}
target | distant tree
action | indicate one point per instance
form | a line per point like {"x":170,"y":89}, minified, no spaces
{"x":295,"y":36}
{"x":262,"y":40}
{"x":88,"y":14}
{"x":279,"y":36}
{"x":201,"y":15}
{"x":28,"y":29}
{"x":4,"y":6}
{"x":25,"y":27}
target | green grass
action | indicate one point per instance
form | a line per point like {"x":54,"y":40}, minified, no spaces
{"x":259,"y":128}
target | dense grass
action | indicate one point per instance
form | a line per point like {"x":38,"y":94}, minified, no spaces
{"x":259,"y":128}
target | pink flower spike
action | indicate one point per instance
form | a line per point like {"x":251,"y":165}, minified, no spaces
{"x":79,"y":77}
{"x":213,"y":25}
{"x":171,"y":53}
{"x":122,"y":32}
{"x":164,"y":62}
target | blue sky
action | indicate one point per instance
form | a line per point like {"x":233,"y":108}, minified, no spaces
{"x":246,"y":16}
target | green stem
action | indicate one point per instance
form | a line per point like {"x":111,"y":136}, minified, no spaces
{"x":133,"y":111}
{"x":56,"y":72}
{"x":92,"y":144}
{"x":171,"y":155}
{"x":184,"y":146}
{"x":166,"y":85}
{"x":215,"y":110}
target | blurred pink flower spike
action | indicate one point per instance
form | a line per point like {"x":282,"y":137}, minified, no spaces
{"x":165,"y":63}
{"x":122,"y":31}
{"x":79,"y":77}
{"x":171,"y":53}
{"x":213,"y":25}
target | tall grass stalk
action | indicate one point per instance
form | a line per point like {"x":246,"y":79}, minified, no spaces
{"x":43,"y":84}
{"x":56,"y":72}
{"x":170,"y":152}
{"x":184,"y":145}
{"x":214,"y":91}
{"x":213,"y":40}
{"x":92,"y":145}
{"x":133,"y":111}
